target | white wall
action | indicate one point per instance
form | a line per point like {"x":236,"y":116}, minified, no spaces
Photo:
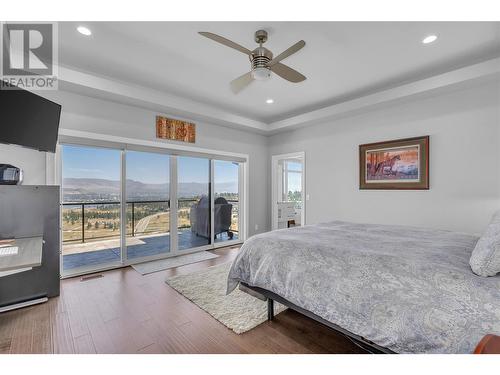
{"x":464,"y":162}
{"x":464,"y":157}
{"x":32,"y":162}
{"x":99,"y":116}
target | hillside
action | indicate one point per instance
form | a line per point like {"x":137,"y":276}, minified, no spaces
{"x":78,"y":189}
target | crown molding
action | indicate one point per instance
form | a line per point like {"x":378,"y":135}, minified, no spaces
{"x":122,"y":92}
{"x":487,"y":70}
{"x":183,"y":108}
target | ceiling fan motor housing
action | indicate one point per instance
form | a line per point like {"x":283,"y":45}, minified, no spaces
{"x":260,"y":58}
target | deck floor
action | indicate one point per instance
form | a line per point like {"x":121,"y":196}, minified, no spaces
{"x":124,"y":312}
{"x":108,"y":251}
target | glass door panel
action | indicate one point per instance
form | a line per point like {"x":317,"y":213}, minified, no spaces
{"x":226,"y":200}
{"x":148,"y":204}
{"x":91,"y":191}
{"x":289,"y":185}
{"x":293,"y":177}
{"x":193,"y":202}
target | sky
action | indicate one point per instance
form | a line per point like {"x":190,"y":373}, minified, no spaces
{"x":84,"y":162}
{"x":151,"y":168}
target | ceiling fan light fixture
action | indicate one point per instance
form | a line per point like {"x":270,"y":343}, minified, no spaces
{"x":261,"y":74}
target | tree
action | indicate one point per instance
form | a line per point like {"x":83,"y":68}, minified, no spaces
{"x":294,"y":196}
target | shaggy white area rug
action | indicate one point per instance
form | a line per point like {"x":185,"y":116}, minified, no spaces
{"x":207,"y":289}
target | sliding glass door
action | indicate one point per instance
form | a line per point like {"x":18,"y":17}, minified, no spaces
{"x":123,"y":206}
{"x":193,"y":202}
{"x":226,"y":201}
{"x":147,"y":190}
{"x":90,"y":210}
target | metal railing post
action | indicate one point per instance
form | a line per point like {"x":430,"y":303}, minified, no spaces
{"x":133,"y":219}
{"x":83,"y":222}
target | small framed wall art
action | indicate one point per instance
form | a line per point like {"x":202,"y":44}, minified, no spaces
{"x":175,"y":130}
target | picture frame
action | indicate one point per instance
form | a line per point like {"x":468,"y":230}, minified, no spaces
{"x":401,"y":164}
{"x":175,"y":130}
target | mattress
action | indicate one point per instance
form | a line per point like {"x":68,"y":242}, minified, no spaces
{"x":407,"y":289}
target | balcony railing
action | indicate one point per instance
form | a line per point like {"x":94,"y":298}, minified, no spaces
{"x":132,"y":218}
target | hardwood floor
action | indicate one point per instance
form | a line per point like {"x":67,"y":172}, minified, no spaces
{"x":124,"y":312}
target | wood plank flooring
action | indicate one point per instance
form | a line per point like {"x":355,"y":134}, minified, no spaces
{"x":124,"y":312}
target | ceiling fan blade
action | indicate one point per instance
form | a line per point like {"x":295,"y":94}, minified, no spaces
{"x":290,"y":51}
{"x":287,"y":73}
{"x":241,"y":82}
{"x":225,"y":41}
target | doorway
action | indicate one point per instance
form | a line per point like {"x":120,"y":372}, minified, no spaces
{"x":288,"y":190}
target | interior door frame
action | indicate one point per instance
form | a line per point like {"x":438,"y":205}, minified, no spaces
{"x":274,"y":184}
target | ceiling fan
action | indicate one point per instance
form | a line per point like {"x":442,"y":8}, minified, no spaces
{"x":262,"y":61}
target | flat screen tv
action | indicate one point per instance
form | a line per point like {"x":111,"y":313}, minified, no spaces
{"x":28,"y":120}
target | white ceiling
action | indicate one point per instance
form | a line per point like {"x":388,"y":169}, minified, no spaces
{"x":342,"y":60}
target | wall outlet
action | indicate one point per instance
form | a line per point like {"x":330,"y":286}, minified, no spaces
{"x":256,"y":227}
{"x":307,"y":197}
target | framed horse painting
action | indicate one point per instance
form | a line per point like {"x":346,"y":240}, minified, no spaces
{"x":399,"y":164}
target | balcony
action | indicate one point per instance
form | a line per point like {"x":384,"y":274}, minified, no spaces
{"x":91,"y":231}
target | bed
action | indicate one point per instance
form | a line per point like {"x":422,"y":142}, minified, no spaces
{"x":393,"y":289}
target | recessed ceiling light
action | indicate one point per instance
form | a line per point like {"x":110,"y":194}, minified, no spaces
{"x":429,"y":39}
{"x":269,"y":101}
{"x":84,"y":30}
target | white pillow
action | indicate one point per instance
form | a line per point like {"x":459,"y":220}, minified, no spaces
{"x":485,"y":258}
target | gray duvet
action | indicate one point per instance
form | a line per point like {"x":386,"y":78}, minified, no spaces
{"x":408,"y":289}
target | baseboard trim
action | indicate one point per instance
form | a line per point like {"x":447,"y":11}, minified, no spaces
{"x":23,"y":304}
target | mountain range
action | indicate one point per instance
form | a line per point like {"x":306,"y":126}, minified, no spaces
{"x":75,"y":189}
